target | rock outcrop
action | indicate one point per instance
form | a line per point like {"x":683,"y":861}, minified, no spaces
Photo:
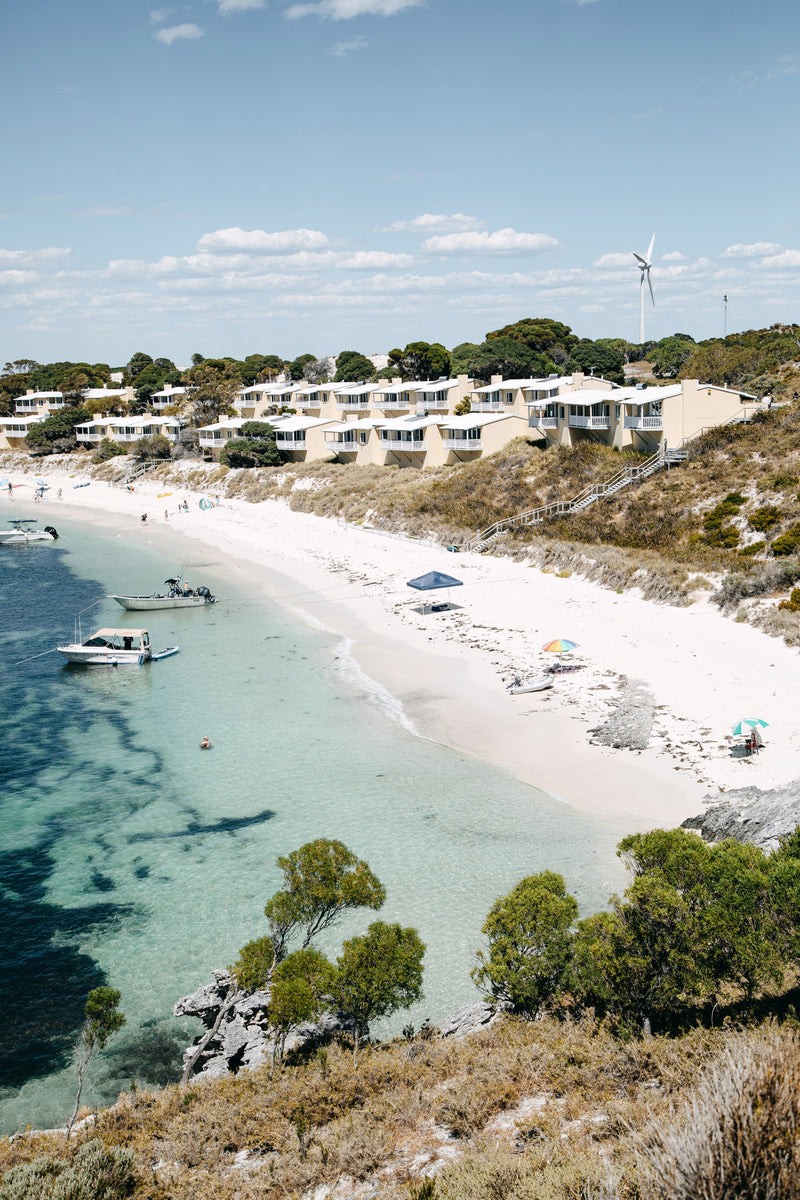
{"x":243,"y":1041}
{"x":751,"y":815}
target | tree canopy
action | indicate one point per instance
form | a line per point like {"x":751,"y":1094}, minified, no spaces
{"x":599,"y":358}
{"x":321,"y":881}
{"x":508,"y":357}
{"x":529,"y":943}
{"x":214,"y":384}
{"x":352,"y":367}
{"x":420,"y":360}
{"x":378,"y":973}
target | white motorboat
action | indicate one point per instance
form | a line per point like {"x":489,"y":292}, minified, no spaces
{"x":540,"y":684}
{"x":22,"y":532}
{"x":114,"y":648}
{"x":180,"y":595}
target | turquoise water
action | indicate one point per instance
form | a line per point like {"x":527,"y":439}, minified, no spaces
{"x":129,"y":856}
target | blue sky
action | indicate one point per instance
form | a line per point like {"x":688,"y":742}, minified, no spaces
{"x":239,"y":176}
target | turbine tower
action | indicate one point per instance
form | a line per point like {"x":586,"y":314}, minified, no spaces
{"x":645,"y":263}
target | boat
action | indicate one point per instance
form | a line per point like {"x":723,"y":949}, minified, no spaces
{"x":22,"y":532}
{"x":180,"y":595}
{"x":540,"y":684}
{"x":114,"y":648}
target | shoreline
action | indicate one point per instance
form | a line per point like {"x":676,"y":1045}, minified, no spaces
{"x":448,"y":671}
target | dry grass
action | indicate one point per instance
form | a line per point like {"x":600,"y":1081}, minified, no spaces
{"x":248,"y":1137}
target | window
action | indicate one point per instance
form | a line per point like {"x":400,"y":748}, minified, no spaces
{"x":616,"y":411}
{"x":509,"y":397}
{"x":561,"y":412}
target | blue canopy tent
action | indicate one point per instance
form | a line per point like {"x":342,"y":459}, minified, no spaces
{"x":433,"y":580}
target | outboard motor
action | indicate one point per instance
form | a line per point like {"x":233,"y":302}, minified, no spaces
{"x":206,"y":594}
{"x":53,"y":532}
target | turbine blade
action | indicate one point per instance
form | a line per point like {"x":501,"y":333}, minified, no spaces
{"x":650,"y":248}
{"x":639,"y":258}
{"x":649,"y":284}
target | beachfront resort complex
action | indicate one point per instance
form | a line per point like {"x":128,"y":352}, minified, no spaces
{"x":426,"y":423}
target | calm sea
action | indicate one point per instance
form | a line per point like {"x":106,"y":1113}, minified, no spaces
{"x":128,"y":856}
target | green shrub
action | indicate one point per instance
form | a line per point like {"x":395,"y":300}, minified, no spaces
{"x":97,"y":1172}
{"x":108,"y":449}
{"x":783,"y":479}
{"x":156,"y":446}
{"x":793,"y":603}
{"x":753,"y":548}
{"x":765,"y":518}
{"x":787,"y":543}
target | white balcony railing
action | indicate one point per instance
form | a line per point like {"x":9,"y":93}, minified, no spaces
{"x":543,"y":422}
{"x":291,"y":443}
{"x":410,"y":447}
{"x":591,"y":422}
{"x":426,"y":403}
{"x":644,"y":422}
{"x":388,"y":404}
{"x":216,"y":439}
{"x":339,"y":445}
{"x":457,"y":443}
{"x":487,"y":406}
{"x":352,"y":403}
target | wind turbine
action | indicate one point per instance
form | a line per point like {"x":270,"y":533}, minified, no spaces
{"x":644,"y":266}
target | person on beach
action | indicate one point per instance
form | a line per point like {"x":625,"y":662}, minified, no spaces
{"x":58,"y":494}
{"x":205,"y":744}
{"x":144,"y":518}
{"x":166,"y":514}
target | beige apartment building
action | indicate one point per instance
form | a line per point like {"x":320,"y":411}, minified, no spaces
{"x":645,"y":419}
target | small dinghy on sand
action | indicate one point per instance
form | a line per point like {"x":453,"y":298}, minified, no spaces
{"x":519,"y":687}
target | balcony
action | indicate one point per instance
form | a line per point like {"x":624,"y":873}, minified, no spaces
{"x":216,"y":439}
{"x":543,"y":422}
{"x":403,"y":444}
{"x":462,"y":443}
{"x":429,"y":403}
{"x":392,"y":404}
{"x":490,"y":406}
{"x":305,"y":402}
{"x":353,"y":403}
{"x":339,"y":445}
{"x":290,"y":442}
{"x":592,"y":422}
{"x":644,"y":422}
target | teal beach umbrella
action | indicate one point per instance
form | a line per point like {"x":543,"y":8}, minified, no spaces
{"x":747,"y":724}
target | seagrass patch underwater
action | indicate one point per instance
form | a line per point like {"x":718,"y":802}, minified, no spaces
{"x":129,"y":856}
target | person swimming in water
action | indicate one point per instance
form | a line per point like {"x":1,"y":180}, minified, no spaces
{"x":205,"y":744}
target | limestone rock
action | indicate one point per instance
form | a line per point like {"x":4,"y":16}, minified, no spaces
{"x":751,"y":815}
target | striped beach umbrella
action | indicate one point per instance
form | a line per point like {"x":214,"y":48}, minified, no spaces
{"x":746,"y":725}
{"x":560,"y":646}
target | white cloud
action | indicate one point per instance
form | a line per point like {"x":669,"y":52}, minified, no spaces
{"x":159,"y":15}
{"x":374,"y":260}
{"x":342,"y":49}
{"x":673,"y":256}
{"x":622,"y":259}
{"x":256,"y":241}
{"x":503,"y":241}
{"x":16,"y":278}
{"x":226,"y":7}
{"x":435,"y":223}
{"x":345,"y":10}
{"x":789,"y":258}
{"x":751,"y":250}
{"x":175,"y":33}
{"x":788,"y":64}
{"x":26,"y":258}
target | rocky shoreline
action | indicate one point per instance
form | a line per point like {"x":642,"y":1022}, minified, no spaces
{"x":242,"y":1040}
{"x":750,"y":814}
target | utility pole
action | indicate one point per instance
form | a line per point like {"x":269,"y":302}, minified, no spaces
{"x":725,"y":315}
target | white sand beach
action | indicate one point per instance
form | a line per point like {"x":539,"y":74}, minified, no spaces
{"x":449,"y":670}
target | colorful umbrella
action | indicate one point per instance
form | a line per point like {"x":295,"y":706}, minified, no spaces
{"x":560,"y":646}
{"x":747,"y":724}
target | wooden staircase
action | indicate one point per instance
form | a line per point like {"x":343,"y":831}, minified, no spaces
{"x":595,"y":491}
